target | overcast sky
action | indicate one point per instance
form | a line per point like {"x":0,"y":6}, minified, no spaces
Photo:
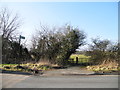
{"x":94,"y":18}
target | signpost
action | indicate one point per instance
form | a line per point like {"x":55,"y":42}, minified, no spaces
{"x":20,"y":37}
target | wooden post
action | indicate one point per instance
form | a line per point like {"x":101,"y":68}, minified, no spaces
{"x":76,"y":60}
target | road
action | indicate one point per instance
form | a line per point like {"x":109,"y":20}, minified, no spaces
{"x":8,"y":80}
{"x":55,"y":80}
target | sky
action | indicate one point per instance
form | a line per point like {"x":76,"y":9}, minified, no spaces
{"x":96,"y":19}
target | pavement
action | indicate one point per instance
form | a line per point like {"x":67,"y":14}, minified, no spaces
{"x":73,"y":77}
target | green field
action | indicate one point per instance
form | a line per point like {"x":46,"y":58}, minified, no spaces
{"x":81,"y":58}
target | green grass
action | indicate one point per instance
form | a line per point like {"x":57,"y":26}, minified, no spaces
{"x":81,"y":58}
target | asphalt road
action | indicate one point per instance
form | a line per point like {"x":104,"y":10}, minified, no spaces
{"x":63,"y":81}
{"x":8,"y":80}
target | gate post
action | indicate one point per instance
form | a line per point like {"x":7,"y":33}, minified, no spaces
{"x":76,"y":60}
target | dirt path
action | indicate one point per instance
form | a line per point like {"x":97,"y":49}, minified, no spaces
{"x":68,"y":71}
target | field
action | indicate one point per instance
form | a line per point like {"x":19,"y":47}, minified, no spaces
{"x":81,"y":58}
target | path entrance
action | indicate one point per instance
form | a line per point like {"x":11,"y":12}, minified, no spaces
{"x":75,"y":70}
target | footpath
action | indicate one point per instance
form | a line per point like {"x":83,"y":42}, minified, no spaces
{"x":68,"y":71}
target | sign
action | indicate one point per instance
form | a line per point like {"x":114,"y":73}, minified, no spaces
{"x":22,"y":37}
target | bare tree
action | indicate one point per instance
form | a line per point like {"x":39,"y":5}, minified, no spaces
{"x":9,"y":23}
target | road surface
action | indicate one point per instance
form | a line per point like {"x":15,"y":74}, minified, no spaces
{"x":53,"y":79}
